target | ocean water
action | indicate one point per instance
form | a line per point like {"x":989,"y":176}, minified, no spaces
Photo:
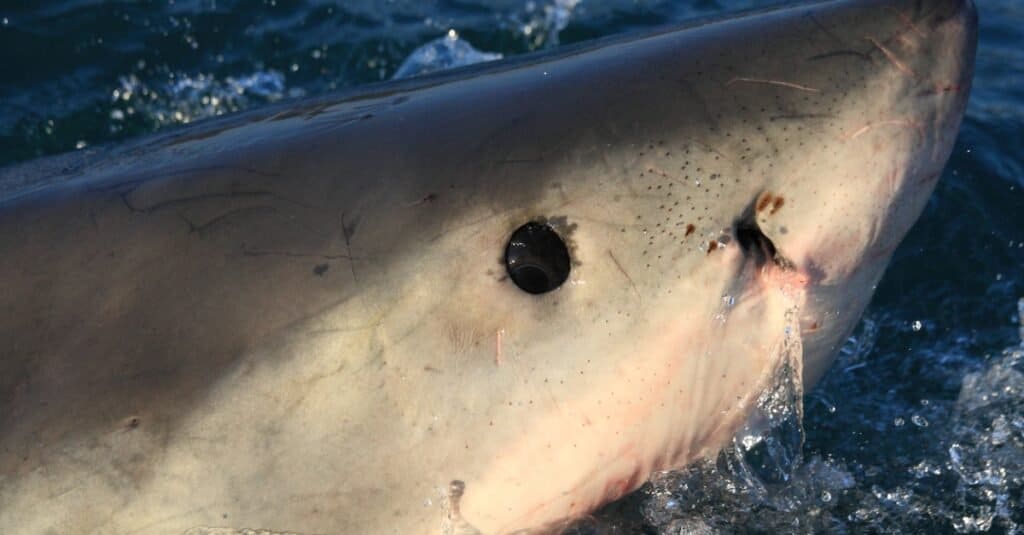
{"x":918,"y":427}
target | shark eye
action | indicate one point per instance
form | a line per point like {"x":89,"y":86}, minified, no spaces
{"x":536,"y":258}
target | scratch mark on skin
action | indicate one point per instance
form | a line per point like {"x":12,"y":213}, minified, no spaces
{"x":203,"y":228}
{"x":779,"y":83}
{"x":147,"y":528}
{"x":900,"y":66}
{"x":895,"y":122}
{"x":942,"y":89}
{"x":712,"y":150}
{"x":624,"y":274}
{"x":347,"y":233}
{"x":931,"y":177}
{"x":664,"y":174}
{"x":907,"y":21}
{"x":841,"y":53}
{"x":824,"y":29}
{"x":194,"y":198}
{"x":427,"y":199}
{"x":498,"y":357}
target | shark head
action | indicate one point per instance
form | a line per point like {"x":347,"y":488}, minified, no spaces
{"x":727,"y":202}
{"x":491,"y":300}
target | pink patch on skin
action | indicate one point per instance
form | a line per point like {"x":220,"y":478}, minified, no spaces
{"x":787,"y":280}
{"x":894,"y":122}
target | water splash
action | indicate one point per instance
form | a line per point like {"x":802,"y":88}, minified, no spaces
{"x":541,"y":24}
{"x":963,"y":470}
{"x":442,"y":53}
{"x":185,"y":98}
{"x":757,"y":472}
{"x":986,"y":450}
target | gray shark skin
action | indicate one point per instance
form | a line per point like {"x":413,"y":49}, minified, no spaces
{"x":299,"y":319}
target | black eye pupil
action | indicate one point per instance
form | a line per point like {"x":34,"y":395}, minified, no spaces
{"x":536,"y":258}
{"x":532,"y":279}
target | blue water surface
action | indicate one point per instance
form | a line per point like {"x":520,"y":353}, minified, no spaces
{"x":918,"y":427}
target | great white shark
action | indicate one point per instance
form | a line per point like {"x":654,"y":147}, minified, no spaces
{"x":320,"y":317}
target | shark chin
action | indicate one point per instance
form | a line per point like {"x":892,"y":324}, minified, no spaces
{"x":485,"y":301}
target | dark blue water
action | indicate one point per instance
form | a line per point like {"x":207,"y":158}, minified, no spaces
{"x":919,"y":426}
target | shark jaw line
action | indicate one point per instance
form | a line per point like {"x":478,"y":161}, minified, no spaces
{"x":635,"y":437}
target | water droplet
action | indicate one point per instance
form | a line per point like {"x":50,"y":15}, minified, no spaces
{"x":919,"y":420}
{"x":898,"y":422}
{"x":916,"y":325}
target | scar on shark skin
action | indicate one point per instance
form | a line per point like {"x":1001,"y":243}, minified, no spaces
{"x":498,"y":357}
{"x":900,"y":66}
{"x":780,"y":83}
{"x":895,"y":122}
{"x":203,"y":228}
{"x":426,"y":199}
{"x":194,"y":198}
{"x":624,"y":273}
{"x":940,"y":89}
{"x":906,"y":21}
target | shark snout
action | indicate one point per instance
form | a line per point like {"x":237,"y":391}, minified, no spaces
{"x":878,"y":117}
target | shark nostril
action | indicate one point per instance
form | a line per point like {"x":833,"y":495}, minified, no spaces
{"x":753,"y":242}
{"x":537,"y":258}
